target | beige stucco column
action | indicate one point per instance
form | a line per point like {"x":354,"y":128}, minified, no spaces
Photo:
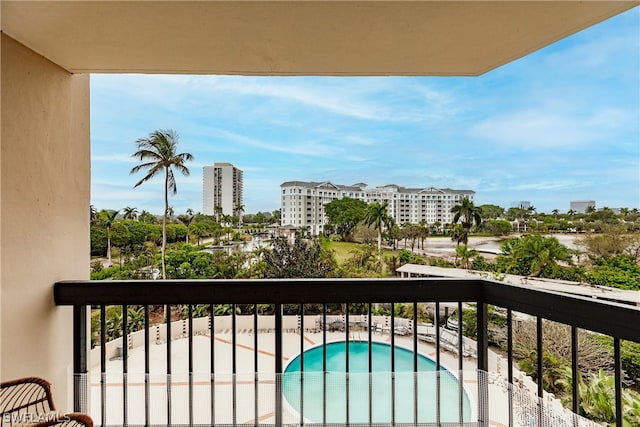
{"x":44,"y":212}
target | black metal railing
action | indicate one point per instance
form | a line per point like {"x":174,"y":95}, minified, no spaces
{"x":358,"y":301}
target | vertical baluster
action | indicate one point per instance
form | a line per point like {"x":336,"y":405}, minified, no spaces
{"x":369,"y":339}
{"x":510,"y":363}
{"x":324,"y":364}
{"x":346,"y":361}
{"x":483,"y":363}
{"x":539,"y":355}
{"x":437,"y":373}
{"x":393,"y":363}
{"x":125,"y":364}
{"x":212,"y":358}
{"x":575,"y":401}
{"x":617,"y":367}
{"x":301,"y":311}
{"x":81,"y":345}
{"x":415,"y":362}
{"x":460,"y":366}
{"x":168,"y":323}
{"x":234,"y":391}
{"x":539,"y":368}
{"x":278,"y":363}
{"x":190,"y":364}
{"x":147,"y":384}
{"x":255,"y":365}
{"x":103,"y":366}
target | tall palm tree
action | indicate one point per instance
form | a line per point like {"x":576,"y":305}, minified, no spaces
{"x":187,"y":219}
{"x":238,"y":211}
{"x":217,"y":209}
{"x":108,"y":217}
{"x":468,"y":214}
{"x":158,"y":154}
{"x":93,"y":213}
{"x":378,"y":217}
{"x":130,"y":213}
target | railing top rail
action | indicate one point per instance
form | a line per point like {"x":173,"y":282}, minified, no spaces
{"x":609,"y":318}
{"x":265,"y":291}
{"x":597,"y":315}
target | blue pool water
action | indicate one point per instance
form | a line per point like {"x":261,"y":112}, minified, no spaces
{"x":316,"y":395}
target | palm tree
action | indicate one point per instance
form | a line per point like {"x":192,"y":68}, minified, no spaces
{"x":93,"y":213}
{"x":108,"y":217}
{"x":186,"y":220}
{"x":469,"y":214}
{"x":378,"y":217}
{"x":217,"y":209}
{"x":465,"y":254}
{"x":157,"y":152}
{"x":238,"y":210}
{"x":530,"y":255}
{"x":130,"y":213}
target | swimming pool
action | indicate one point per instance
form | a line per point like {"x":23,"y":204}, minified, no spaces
{"x":316,"y":395}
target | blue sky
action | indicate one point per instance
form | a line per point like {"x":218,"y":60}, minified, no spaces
{"x":560,"y":124}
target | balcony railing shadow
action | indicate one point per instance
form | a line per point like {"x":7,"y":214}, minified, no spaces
{"x":159,"y":377}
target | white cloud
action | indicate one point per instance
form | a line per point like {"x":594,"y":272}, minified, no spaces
{"x":544,"y":129}
{"x":120,"y":158}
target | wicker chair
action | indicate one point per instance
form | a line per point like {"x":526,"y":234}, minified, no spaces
{"x":28,"y":401}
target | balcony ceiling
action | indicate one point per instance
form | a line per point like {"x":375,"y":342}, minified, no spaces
{"x":295,"y":37}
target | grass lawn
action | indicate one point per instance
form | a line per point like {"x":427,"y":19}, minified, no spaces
{"x":343,"y":250}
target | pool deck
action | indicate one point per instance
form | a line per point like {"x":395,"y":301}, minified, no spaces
{"x":245,"y":389}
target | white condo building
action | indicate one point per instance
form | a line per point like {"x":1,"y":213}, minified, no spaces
{"x":302,"y":203}
{"x":581,"y":206}
{"x":221,"y":186}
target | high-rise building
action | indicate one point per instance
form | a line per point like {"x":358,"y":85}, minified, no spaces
{"x":221,"y":189}
{"x":302,"y":203}
{"x":581,"y":206}
{"x":522,"y":204}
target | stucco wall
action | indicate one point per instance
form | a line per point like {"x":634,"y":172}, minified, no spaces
{"x":44,"y":226}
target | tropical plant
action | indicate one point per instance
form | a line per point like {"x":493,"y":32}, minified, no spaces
{"x":158,"y":154}
{"x":620,"y":271}
{"x":464,"y":256}
{"x":108,"y":218}
{"x":238,"y":210}
{"x":468,"y":214}
{"x":344,"y":214}
{"x":93,"y":213}
{"x":225,"y":309}
{"x":376,"y":216}
{"x":302,"y":258}
{"x":556,"y":353}
{"x":597,"y":398}
{"x":130,"y":213}
{"x":187,"y":219}
{"x":532,"y":255}
{"x":147,"y":217}
{"x":217,"y":209}
{"x":459,"y":234}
